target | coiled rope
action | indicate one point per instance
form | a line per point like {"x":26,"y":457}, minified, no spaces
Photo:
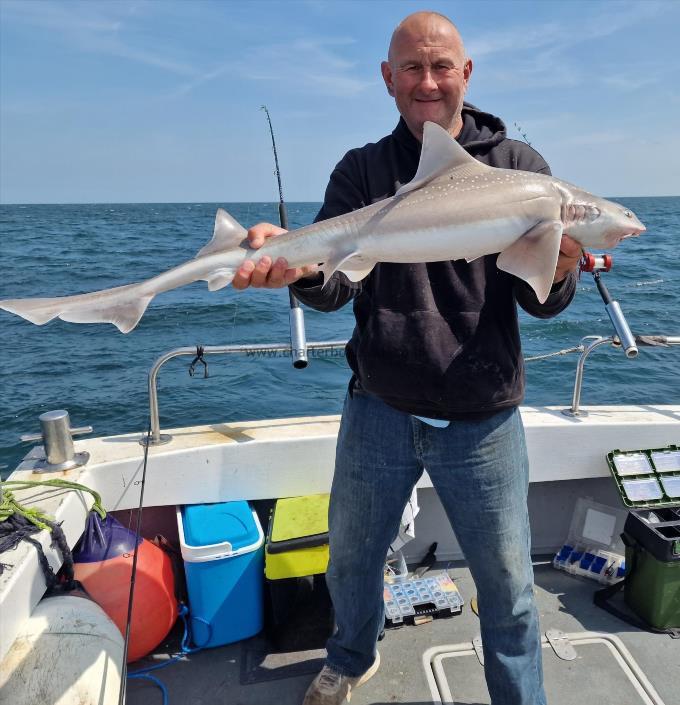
{"x":18,"y":523}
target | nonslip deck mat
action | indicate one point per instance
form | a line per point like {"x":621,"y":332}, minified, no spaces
{"x":260,"y":662}
{"x":295,"y":647}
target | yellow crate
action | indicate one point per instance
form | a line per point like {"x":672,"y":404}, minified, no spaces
{"x":297,"y":541}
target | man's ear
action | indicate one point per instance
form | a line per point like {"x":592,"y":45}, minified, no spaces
{"x":467,"y":71}
{"x":386,"y":71}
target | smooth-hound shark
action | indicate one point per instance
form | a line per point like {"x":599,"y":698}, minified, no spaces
{"x":454,"y":208}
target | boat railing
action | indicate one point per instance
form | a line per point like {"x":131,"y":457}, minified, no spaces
{"x":155,"y":437}
{"x":587,"y":345}
{"x":590,"y":342}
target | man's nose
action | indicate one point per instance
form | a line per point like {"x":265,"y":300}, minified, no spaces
{"x":427,"y":81}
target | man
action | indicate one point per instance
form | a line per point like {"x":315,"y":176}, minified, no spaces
{"x":438,"y":377}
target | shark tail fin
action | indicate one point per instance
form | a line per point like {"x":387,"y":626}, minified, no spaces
{"x":123,"y":306}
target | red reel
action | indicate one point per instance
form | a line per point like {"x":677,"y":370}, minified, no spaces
{"x":595,"y":263}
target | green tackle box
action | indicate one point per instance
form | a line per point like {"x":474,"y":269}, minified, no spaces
{"x":649,"y":484}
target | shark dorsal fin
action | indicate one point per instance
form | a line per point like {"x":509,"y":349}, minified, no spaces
{"x":440,"y":153}
{"x":227,"y":235}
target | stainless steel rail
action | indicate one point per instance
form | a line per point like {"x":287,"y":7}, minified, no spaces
{"x":156,"y":438}
{"x":596,"y":342}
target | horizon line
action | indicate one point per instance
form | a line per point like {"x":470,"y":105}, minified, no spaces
{"x":218,"y":203}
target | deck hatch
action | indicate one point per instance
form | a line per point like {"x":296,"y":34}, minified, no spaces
{"x":603,"y":667}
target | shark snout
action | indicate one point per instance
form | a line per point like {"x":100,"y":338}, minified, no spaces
{"x":634,"y":230}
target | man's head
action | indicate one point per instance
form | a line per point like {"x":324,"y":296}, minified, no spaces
{"x":427,"y":73}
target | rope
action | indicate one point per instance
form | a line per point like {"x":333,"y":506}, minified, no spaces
{"x":10,"y":507}
{"x":18,"y":523}
{"x":18,"y":528}
{"x":184,"y":650}
{"x":566,"y":351}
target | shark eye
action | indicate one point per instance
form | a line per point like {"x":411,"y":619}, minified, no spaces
{"x":628,"y":214}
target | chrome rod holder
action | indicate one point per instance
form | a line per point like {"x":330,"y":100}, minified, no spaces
{"x":623,"y":332}
{"x":631,"y":342}
{"x":57,"y":437}
{"x":298,"y":338}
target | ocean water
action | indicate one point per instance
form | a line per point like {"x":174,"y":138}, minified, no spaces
{"x":100,"y":375}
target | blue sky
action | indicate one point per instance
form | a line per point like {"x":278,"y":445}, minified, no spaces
{"x":134,"y":101}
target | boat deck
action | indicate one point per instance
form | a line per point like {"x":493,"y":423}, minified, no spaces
{"x":245,"y":674}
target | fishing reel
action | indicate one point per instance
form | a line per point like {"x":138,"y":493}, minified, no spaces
{"x":596,"y":263}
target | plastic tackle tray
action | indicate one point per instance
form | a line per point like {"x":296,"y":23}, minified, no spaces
{"x":593,"y":548}
{"x":647,"y":478}
{"x":436,"y":595}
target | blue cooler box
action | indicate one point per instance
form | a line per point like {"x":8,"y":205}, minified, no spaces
{"x":223,"y":550}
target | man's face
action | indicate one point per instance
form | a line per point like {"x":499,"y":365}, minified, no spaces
{"x":427,"y":75}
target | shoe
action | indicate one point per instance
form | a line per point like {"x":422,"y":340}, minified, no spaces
{"x":332,"y":688}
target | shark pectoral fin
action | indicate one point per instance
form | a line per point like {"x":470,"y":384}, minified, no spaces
{"x":357,"y":268}
{"x":219,"y":278}
{"x":440,"y":153}
{"x":356,"y":275}
{"x":533,"y":257}
{"x":335,"y":263}
{"x":228,"y":233}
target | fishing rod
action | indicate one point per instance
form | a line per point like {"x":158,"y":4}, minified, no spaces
{"x":298,"y":338}
{"x":521,"y":132}
{"x":133,"y":573}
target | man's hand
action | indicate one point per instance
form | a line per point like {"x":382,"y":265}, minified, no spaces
{"x":568,"y":259}
{"x":266,"y":273}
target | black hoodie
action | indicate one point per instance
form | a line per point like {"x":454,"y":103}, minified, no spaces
{"x":441,"y":339}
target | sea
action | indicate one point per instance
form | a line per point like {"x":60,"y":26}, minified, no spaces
{"x":100,"y":375}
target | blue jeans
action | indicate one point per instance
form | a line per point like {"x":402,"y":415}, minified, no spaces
{"x":480,"y":471}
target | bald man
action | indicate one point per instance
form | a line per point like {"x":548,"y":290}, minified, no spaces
{"x":437,"y":380}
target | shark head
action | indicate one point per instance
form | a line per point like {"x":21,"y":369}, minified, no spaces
{"x":597,"y":222}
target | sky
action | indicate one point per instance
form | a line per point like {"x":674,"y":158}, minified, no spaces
{"x":159,"y":101}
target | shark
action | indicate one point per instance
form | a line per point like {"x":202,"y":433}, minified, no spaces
{"x":454,"y":208}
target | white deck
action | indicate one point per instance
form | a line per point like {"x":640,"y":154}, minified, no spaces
{"x":280,"y":458}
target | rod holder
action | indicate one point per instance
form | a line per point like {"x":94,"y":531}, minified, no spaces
{"x":298,"y":338}
{"x":625,"y":336}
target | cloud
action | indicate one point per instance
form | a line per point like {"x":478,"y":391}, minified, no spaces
{"x":626,"y":82}
{"x":97,"y":28}
{"x":310,"y":65}
{"x":548,"y":54}
{"x":557,"y":37}
{"x":305,"y":65}
{"x":59,"y":17}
